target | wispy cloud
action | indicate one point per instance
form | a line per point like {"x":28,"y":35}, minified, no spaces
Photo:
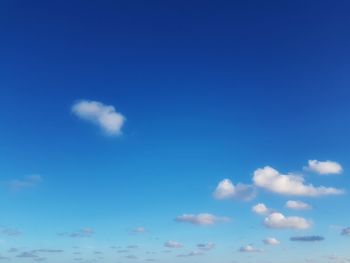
{"x":206,"y":246}
{"x":27,"y":182}
{"x":191,"y":254}
{"x":84,"y":232}
{"x":11,"y":232}
{"x":289,"y":184}
{"x":297,"y":205}
{"x":173,"y":244}
{"x":139,"y":230}
{"x":105,"y":116}
{"x":307,"y":238}
{"x":201,"y":219}
{"x":250,"y":249}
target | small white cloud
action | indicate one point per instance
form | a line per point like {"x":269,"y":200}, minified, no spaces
{"x":278,"y":220}
{"x":173,"y":244}
{"x":271,"y":241}
{"x":249,"y":249}
{"x":326,"y":167}
{"x":297,"y":205}
{"x":201,"y":219}
{"x":261,"y":209}
{"x":271,"y":180}
{"x":227,"y":190}
{"x":27,"y":182}
{"x":103,"y":115}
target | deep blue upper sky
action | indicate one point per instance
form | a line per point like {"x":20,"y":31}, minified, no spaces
{"x":209,"y":89}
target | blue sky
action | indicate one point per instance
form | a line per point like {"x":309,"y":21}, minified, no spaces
{"x":174,"y":131}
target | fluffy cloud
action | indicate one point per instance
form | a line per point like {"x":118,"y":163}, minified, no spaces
{"x":346,"y":231}
{"x":173,"y":244}
{"x":297,"y":205}
{"x":271,"y":241}
{"x":261,"y":209}
{"x":270,"y":179}
{"x":227,"y":190}
{"x":249,"y":249}
{"x":206,"y":246}
{"x":307,"y":238}
{"x":27,"y":182}
{"x":326,"y":167}
{"x":278,"y":220}
{"x":201,"y":219}
{"x":100,"y":114}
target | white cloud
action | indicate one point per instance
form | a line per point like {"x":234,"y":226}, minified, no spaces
{"x":261,"y":209}
{"x":227,"y":190}
{"x":250,"y":249}
{"x":271,"y":241}
{"x":297,"y":205}
{"x":278,"y":220}
{"x":201,"y":219}
{"x":173,"y":244}
{"x":103,"y":115}
{"x":270,"y":179}
{"x":27,"y":182}
{"x":326,"y":167}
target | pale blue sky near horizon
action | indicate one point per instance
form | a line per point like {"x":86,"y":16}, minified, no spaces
{"x":119,"y":118}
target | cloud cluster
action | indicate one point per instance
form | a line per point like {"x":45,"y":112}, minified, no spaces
{"x":289,"y":184}
{"x":201,"y":219}
{"x":105,"y":116}
{"x":307,"y":238}
{"x":326,"y":167}
{"x":227,"y":190}
{"x":297,"y":205}
{"x":278,"y":220}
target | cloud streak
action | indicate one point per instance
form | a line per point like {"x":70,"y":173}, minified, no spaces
{"x":307,"y":238}
{"x":201,"y":219}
